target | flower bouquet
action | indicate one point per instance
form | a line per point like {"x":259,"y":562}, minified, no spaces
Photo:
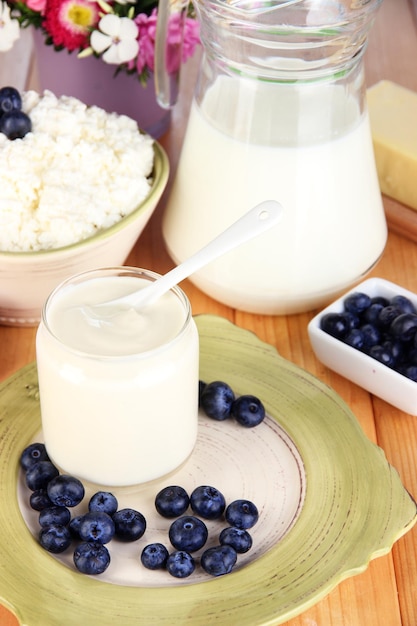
{"x":119,"y":32}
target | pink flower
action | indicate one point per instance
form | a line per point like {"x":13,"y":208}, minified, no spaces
{"x":191,"y":39}
{"x":37,"y":5}
{"x":146,"y":37}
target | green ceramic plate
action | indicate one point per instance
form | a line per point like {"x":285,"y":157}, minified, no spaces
{"x":354,"y":508}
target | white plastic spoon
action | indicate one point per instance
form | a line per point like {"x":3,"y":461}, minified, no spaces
{"x":253,"y":223}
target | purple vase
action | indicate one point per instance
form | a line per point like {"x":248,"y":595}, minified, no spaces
{"x":93,"y":82}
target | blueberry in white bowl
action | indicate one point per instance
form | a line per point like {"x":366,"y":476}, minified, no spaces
{"x":369,"y":335}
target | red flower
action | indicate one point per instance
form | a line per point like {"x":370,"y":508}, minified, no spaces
{"x":69,"y":22}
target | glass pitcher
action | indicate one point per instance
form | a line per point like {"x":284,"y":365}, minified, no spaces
{"x":279,"y":112}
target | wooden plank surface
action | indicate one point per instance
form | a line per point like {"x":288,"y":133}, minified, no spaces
{"x":386,"y":593}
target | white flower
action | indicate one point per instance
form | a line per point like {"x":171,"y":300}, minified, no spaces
{"x":117,"y":38}
{"x":9,"y":28}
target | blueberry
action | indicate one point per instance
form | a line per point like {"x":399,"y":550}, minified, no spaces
{"x":355,"y":339}
{"x":404,"y":304}
{"x":404,"y":326}
{"x":180,"y":564}
{"x":91,"y":558}
{"x":248,"y":411}
{"x":188,"y":533}
{"x":103,"y":501}
{"x":238,"y":538}
{"x":410,"y":371}
{"x":371,"y":314}
{"x":55,"y":538}
{"x":382,"y":354}
{"x":74,"y":526}
{"x":39,"y":500}
{"x":130,"y":525}
{"x":217,"y":399}
{"x":32,"y":454}
{"x":219,"y":560}
{"x":172,"y":501}
{"x":379,"y":300}
{"x":39,"y":475}
{"x":201,"y":387}
{"x":15,"y":124}
{"x":357,"y":302}
{"x":388,"y":314}
{"x":396,"y":349}
{"x":96,"y":527}
{"x":154,"y":556}
{"x":353,"y":319}
{"x":242,"y":514}
{"x":371,"y":335}
{"x":10,"y":99}
{"x":54,"y":515}
{"x":335,"y":324}
{"x":208,"y":502}
{"x":65,"y":490}
{"x":411,"y":355}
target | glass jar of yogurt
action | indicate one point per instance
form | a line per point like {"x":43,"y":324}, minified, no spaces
{"x":118,"y":387}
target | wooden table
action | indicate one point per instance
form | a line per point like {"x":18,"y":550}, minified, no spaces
{"x":386,"y":594}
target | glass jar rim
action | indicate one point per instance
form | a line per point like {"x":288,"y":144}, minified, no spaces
{"x":127,"y":271}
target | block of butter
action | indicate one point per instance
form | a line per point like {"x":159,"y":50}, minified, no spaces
{"x":393,"y":119}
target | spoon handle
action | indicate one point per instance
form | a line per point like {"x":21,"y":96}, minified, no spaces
{"x":256,"y":221}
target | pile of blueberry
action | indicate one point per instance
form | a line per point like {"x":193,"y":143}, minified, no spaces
{"x":189,"y":533}
{"x":218,"y":401}
{"x":54,"y":494}
{"x":14,"y":123}
{"x":385,"y":329}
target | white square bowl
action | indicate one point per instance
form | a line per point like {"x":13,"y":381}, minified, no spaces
{"x":358,"y":367}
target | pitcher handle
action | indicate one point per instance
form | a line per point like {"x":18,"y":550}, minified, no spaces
{"x":168,"y":53}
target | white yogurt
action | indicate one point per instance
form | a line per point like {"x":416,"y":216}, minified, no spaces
{"x":118,"y":393}
{"x":333,"y":227}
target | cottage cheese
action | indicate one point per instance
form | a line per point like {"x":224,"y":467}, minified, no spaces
{"x":80,"y":170}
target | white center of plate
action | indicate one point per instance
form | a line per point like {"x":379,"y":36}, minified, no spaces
{"x":261,"y":464}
